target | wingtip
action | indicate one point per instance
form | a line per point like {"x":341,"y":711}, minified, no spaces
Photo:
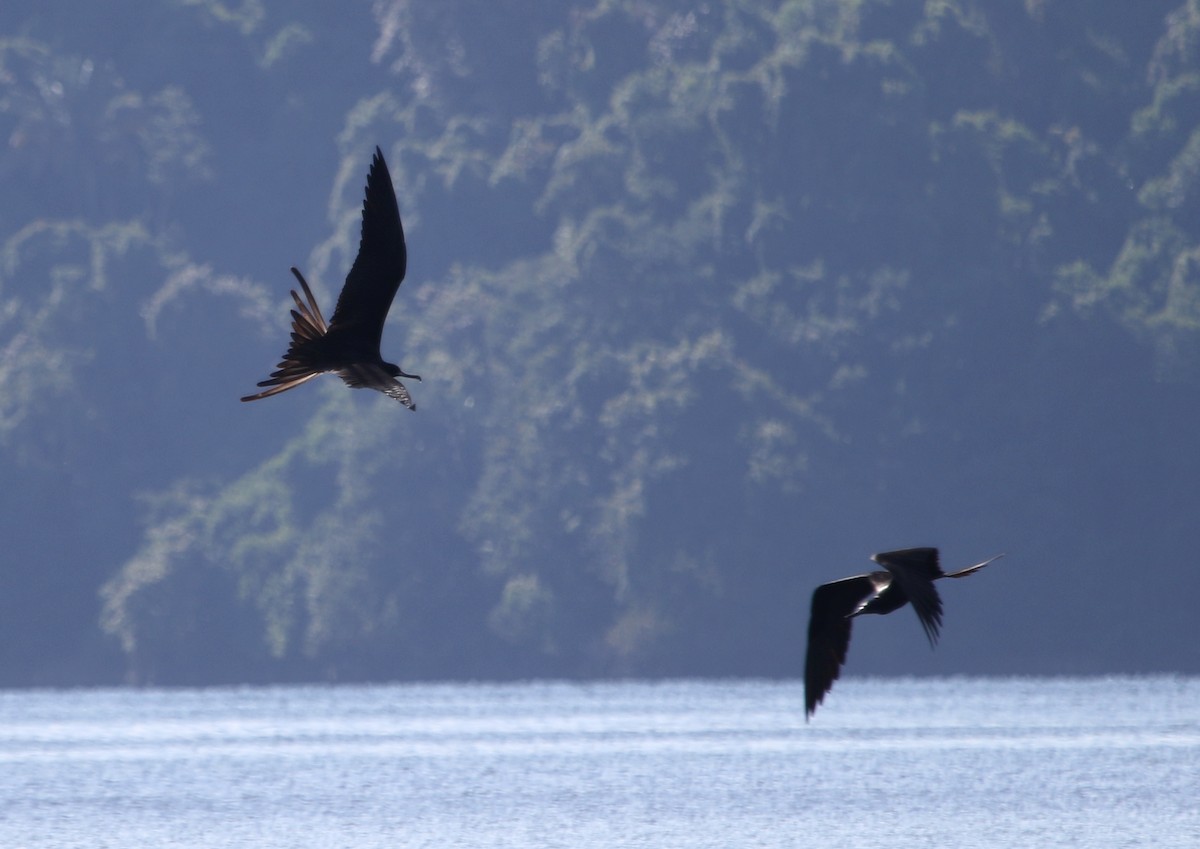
{"x":811,"y":705}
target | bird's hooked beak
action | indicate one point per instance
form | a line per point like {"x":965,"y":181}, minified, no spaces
{"x":395,"y":371}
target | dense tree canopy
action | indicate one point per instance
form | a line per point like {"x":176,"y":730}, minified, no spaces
{"x":711,"y":301}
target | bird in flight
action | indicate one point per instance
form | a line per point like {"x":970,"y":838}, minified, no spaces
{"x":348,"y":345}
{"x":906,"y":578}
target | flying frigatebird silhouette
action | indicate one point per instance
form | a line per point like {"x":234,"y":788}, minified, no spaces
{"x":907,"y":578}
{"x":348,"y":345}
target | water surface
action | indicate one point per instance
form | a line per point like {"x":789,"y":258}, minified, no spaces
{"x":885,"y":763}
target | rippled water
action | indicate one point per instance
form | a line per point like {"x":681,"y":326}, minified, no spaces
{"x":940,"y":763}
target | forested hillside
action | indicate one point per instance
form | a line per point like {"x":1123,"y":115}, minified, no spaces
{"x":711,"y":301}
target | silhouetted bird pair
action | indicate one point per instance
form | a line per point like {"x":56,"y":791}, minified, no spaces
{"x":348,"y":345}
{"x":907,"y":578}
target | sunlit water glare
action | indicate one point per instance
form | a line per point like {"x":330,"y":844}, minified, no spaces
{"x":885,"y":763}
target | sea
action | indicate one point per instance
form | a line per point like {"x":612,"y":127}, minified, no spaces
{"x":952,"y":762}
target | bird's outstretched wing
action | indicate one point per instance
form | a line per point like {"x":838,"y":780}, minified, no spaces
{"x":914,"y":571}
{"x":371,"y":376}
{"x":829,"y":634}
{"x":307,"y":324}
{"x":379,"y":267}
{"x":962,"y":573}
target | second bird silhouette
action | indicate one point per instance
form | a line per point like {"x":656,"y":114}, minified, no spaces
{"x":907,"y":578}
{"x":348,"y":345}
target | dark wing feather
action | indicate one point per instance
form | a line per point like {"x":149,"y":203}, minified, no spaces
{"x":829,"y":634}
{"x":379,"y":267}
{"x":276,"y":388}
{"x":371,"y":376}
{"x":915,"y":570}
{"x":961,"y":573}
{"x":314,"y":322}
{"x":307,"y":325}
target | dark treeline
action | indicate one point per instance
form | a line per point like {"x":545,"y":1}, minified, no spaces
{"x":711,"y":302}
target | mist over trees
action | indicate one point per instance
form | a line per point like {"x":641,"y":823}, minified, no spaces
{"x":711,"y":301}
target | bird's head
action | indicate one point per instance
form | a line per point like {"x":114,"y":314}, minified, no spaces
{"x":394,"y":370}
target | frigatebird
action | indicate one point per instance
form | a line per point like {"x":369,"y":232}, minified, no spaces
{"x":906,"y":578}
{"x":348,"y":345}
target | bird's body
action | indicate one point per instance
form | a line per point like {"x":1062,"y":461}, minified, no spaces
{"x":907,"y":578}
{"x":348,"y":345}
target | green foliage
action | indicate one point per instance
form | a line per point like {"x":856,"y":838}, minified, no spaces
{"x":678,"y":273}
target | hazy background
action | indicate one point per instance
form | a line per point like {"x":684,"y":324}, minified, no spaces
{"x":712,"y":300}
